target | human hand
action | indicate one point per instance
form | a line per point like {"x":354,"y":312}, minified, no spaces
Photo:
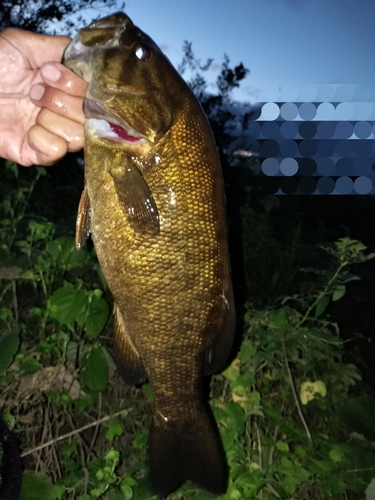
{"x":41,"y":116}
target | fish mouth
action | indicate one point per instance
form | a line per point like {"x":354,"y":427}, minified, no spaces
{"x":109,"y":126}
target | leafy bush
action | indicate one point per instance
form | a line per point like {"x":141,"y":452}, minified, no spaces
{"x":281,"y":405}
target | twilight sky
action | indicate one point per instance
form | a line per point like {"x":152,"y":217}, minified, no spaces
{"x":282,"y":42}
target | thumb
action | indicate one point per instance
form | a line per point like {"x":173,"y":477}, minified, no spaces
{"x":58,"y":76}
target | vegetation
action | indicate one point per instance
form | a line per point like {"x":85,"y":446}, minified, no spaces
{"x":281,"y":404}
{"x":295,"y":417}
{"x":41,"y":17}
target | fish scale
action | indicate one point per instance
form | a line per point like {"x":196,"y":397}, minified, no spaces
{"x":155,"y":207}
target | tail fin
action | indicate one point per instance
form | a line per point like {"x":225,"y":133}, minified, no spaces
{"x":178,"y":454}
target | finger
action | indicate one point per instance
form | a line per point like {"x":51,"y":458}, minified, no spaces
{"x":38,"y":48}
{"x":69,"y":130}
{"x":58,"y":76}
{"x":48,"y":146}
{"x":57,"y":101}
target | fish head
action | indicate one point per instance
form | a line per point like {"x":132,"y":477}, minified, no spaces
{"x":132,"y":86}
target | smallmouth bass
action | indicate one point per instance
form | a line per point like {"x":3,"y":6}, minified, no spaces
{"x":154,"y":204}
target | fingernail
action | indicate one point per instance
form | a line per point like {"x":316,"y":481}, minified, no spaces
{"x":37,"y":91}
{"x":50,"y":72}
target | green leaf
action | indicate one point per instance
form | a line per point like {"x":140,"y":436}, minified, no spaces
{"x":321,"y":306}
{"x":295,"y":475}
{"x":280,"y":445}
{"x":236,"y":417}
{"x":250,"y":484}
{"x":9,"y":345}
{"x":97,"y":316}
{"x":248,"y":351}
{"x":203,"y":495}
{"x":95,"y":370}
{"x":233,"y":371}
{"x":36,"y":486}
{"x":68,"y":305}
{"x":337,"y":454}
{"x":69,"y":448}
{"x":301,"y":451}
{"x":338,"y":293}
{"x":58,"y":491}
{"x":115,"y":429}
{"x":117,"y":495}
{"x":146,"y":388}
{"x":140,"y":439}
{"x":127,"y":491}
{"x":370,"y":491}
{"x":279,"y":320}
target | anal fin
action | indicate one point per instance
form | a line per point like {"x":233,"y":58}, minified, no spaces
{"x":128,"y":360}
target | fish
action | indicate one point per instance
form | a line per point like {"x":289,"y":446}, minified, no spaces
{"x":154,"y":205}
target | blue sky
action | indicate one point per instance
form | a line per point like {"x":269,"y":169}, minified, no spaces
{"x":282,"y":42}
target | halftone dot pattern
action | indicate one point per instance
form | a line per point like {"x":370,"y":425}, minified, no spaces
{"x":289,"y":148}
{"x":344,"y":130}
{"x":344,"y":93}
{"x":326,"y":93}
{"x":289,"y":185}
{"x":289,"y":111}
{"x":307,"y":167}
{"x":308,"y":148}
{"x":270,"y":148}
{"x":363,"y":110}
{"x":325,"y":111}
{"x":363,"y":130}
{"x":270,"y":111}
{"x":270,"y":167}
{"x":288,"y":166}
{"x":364,"y":148}
{"x":271,"y":130}
{"x":326,"y":148}
{"x":325,"y":185}
{"x":307,"y":185}
{"x":344,"y":111}
{"x":363,"y":185}
{"x":344,"y":185}
{"x":344,"y":149}
{"x":317,"y":140}
{"x":307,"y":130}
{"x":307,"y":111}
{"x":363,"y":166}
{"x":344,"y":166}
{"x":289,"y":130}
{"x":326,"y":130}
{"x":326,"y":166}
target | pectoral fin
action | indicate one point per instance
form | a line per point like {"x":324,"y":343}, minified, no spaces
{"x":136,"y":199}
{"x":128,"y":360}
{"x":83,"y":223}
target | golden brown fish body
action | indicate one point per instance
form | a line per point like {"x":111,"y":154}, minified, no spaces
{"x":154,"y":203}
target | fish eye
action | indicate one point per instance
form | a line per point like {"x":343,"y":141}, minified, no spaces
{"x":142,"y":53}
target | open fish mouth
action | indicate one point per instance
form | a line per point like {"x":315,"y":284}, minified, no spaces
{"x":108,"y":126}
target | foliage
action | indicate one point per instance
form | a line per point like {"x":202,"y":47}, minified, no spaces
{"x":283,"y":431}
{"x":37,"y":16}
{"x":230,"y":121}
{"x":281,"y":405}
